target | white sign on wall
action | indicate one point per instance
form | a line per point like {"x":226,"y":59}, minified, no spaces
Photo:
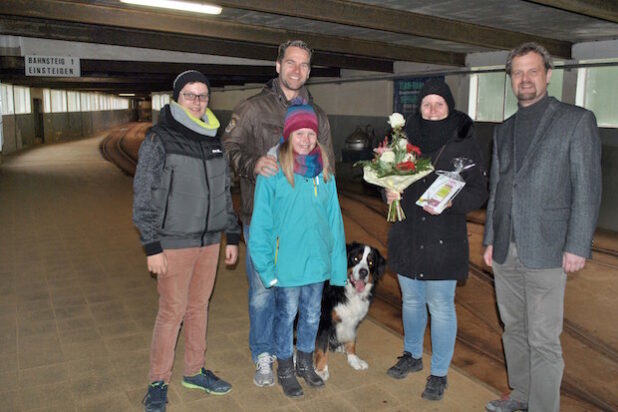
{"x":52,"y":66}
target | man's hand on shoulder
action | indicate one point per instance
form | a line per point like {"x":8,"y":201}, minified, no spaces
{"x":266,"y":166}
{"x":572,"y":263}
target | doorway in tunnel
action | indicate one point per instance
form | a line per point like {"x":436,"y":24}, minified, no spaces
{"x":39,"y":127}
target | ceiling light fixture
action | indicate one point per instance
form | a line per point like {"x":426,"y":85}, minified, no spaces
{"x":126,"y":94}
{"x":178,"y":5}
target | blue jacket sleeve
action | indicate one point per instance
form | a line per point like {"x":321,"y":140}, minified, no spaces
{"x":339,"y":261}
{"x":262,"y":238}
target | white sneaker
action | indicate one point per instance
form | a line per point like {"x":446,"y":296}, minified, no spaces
{"x":264,"y":375}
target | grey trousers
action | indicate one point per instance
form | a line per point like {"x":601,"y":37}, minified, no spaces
{"x":531,"y":305}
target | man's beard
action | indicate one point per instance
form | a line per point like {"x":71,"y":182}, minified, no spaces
{"x":289,"y":87}
{"x":527,"y":95}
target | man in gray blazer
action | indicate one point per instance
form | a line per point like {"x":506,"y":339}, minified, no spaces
{"x":545,"y":193}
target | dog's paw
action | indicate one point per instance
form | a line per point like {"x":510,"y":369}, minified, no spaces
{"x":323,"y":373}
{"x":357,"y":363}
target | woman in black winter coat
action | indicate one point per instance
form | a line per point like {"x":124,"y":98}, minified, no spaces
{"x":429,"y":251}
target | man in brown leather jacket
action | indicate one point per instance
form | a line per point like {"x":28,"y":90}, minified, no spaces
{"x":256,"y":126}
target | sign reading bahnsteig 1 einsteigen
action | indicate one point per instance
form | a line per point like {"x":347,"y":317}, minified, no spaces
{"x":52,"y":66}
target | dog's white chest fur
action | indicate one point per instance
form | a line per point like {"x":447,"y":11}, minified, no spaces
{"x":351,"y":313}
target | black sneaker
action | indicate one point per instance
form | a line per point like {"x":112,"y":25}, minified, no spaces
{"x":434,"y":390}
{"x":156,"y":398}
{"x":405,"y":364}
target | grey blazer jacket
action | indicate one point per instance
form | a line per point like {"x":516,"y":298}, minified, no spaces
{"x":552,"y":202}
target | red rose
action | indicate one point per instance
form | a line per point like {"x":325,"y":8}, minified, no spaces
{"x":409,"y":165}
{"x":410,"y":148}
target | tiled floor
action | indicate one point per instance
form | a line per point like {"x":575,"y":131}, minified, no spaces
{"x":77,"y":308}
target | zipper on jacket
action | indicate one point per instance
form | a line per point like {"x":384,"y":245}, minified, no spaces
{"x":276,"y":250}
{"x":167,"y":200}
{"x":315,"y":186}
{"x":207,"y":188}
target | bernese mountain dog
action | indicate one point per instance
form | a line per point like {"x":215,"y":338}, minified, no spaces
{"x":344,"y":307}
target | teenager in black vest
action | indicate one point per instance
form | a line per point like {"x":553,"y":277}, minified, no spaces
{"x":182,"y":203}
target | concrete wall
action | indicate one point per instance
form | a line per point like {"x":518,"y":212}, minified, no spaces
{"x":19,"y":133}
{"x":11,"y":142}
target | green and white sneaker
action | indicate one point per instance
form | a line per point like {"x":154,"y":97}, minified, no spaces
{"x":208,"y":382}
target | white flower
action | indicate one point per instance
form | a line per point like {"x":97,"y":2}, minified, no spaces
{"x":387,"y":157}
{"x":402,"y":144}
{"x":396,"y":120}
{"x":409,"y":157}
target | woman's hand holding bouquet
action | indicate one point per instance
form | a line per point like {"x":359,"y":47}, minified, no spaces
{"x":396,"y":166}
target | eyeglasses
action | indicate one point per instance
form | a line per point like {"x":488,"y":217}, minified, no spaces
{"x":192,"y":96}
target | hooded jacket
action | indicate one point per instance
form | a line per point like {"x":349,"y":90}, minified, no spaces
{"x":297,"y":235}
{"x":182,"y":187}
{"x":256,"y":126}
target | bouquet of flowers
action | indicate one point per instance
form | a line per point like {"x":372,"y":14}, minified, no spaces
{"x":396,"y":165}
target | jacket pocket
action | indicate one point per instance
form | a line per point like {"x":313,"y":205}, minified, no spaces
{"x":554,"y":224}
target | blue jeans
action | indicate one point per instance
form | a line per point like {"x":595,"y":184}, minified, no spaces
{"x":439,"y":295}
{"x":261,"y":309}
{"x":307,"y":302}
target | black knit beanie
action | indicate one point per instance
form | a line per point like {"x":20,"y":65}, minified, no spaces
{"x":437,"y":86}
{"x":190,"y":76}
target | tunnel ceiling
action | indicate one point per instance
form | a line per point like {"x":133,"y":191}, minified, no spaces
{"x":365,"y":35}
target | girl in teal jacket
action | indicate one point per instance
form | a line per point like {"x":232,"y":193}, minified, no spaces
{"x":297,"y":242}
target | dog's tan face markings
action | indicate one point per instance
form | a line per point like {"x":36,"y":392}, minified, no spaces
{"x":335,"y":316}
{"x":371,"y":263}
{"x":355,"y":259}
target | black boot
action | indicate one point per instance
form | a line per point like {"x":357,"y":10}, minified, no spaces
{"x":305,"y":369}
{"x":287,"y":379}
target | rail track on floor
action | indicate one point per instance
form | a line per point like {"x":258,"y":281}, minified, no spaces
{"x":479,"y":334}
